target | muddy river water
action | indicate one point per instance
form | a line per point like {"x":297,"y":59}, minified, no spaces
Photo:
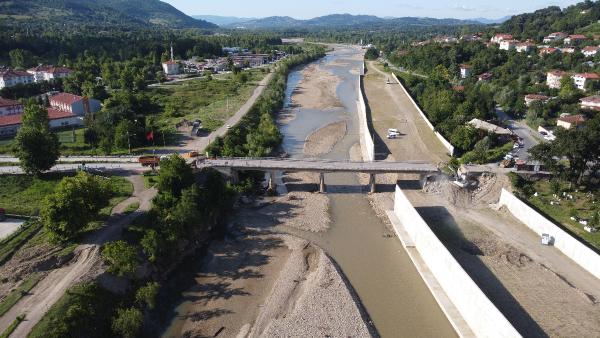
{"x":374,"y":263}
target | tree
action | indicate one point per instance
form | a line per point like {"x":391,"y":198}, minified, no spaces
{"x":174,"y":176}
{"x":146,"y":295}
{"x":128,"y":322}
{"x":464,"y":138}
{"x":568,"y":91}
{"x":75,"y":202}
{"x":152,"y":245}
{"x":122,"y":258}
{"x":91,"y":137}
{"x":17,"y":58}
{"x":35,"y":145}
{"x":372,"y":54}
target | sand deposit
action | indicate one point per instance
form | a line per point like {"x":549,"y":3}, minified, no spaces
{"x":270,"y":286}
{"x":317,"y":89}
{"x":324,"y":139}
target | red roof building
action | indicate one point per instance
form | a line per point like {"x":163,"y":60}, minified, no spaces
{"x":10,"y":107}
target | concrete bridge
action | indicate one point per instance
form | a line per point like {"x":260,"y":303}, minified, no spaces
{"x":321,"y":166}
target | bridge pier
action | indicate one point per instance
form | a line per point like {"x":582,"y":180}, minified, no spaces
{"x":272,"y":184}
{"x":235,"y":176}
{"x":322,"y":187}
{"x":373,"y":183}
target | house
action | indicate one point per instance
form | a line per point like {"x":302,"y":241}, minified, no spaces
{"x":508,"y":44}
{"x":524,"y":47}
{"x":485,"y":77}
{"x":590,"y":51}
{"x":548,"y":51}
{"x":465,"y":71}
{"x":573,"y":39}
{"x":556,"y":36}
{"x":569,"y":121}
{"x":553,"y":78}
{"x":591,"y":102}
{"x":61,"y":119}
{"x":10,"y":124}
{"x":582,"y":79}
{"x":500,"y":37}
{"x":9,"y":78}
{"x":567,"y":50}
{"x":74,"y":104}
{"x":170,"y":67}
{"x":530,"y":98}
{"x":10,"y":107}
{"x":48,"y":73}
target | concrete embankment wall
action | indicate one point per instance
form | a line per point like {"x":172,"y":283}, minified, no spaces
{"x":367,"y":144}
{"x":480,"y":314}
{"x":445,"y":142}
{"x":563,"y":241}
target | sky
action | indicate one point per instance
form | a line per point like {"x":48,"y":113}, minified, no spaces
{"x":305,"y":9}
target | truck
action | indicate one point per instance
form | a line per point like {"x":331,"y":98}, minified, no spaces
{"x":190,"y":155}
{"x":149,"y":161}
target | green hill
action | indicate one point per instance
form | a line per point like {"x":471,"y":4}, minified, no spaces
{"x":96,"y":13}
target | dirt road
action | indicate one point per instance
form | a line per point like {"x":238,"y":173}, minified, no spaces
{"x":541,"y":291}
{"x":50,"y":289}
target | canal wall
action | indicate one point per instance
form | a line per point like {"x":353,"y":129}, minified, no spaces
{"x":367,"y":144}
{"x":445,"y":142}
{"x":477,"y":311}
{"x":563,"y":241}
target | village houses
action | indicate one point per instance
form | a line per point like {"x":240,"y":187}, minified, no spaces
{"x":590,"y":51}
{"x":591,"y":102}
{"x":553,"y":78}
{"x":10,"y":78}
{"x":571,"y":121}
{"x":582,"y":79}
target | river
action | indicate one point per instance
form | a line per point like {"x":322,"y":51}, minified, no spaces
{"x":375,"y":264}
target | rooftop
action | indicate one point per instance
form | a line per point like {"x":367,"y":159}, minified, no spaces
{"x":589,"y":76}
{"x":10,"y":120}
{"x":573,"y":119}
{"x":8,"y":103}
{"x":64,"y":98}
{"x":591,"y":99}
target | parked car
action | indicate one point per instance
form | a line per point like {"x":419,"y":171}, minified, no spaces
{"x":149,"y":161}
{"x":2,"y":214}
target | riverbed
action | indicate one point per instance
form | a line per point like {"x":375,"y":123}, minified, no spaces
{"x":376,"y":271}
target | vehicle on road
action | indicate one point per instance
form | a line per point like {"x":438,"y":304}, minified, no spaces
{"x":191,"y":154}
{"x":149,"y":161}
{"x":2,"y":215}
{"x":393,"y":133}
{"x":228,"y":126}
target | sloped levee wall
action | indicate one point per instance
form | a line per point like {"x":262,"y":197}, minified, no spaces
{"x":484,"y":319}
{"x":563,"y":241}
{"x":445,"y":142}
{"x":367,"y":145}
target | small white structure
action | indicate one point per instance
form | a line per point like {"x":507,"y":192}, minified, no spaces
{"x":581,"y":79}
{"x":10,"y":78}
{"x":171,"y":67}
{"x":553,"y":78}
{"x":508,"y":44}
{"x":547,"y":239}
{"x":590,"y":51}
{"x":74,"y":104}
{"x":501,"y":37}
{"x":465,"y":71}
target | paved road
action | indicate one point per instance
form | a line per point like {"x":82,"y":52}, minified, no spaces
{"x":9,"y":226}
{"x":530,"y":137}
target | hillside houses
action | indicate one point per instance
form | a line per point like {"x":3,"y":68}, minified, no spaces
{"x":553,"y":78}
{"x":49,"y":73}
{"x":10,"y":78}
{"x":65,"y":110}
{"x":574,"y":39}
{"x":590,"y":102}
{"x":531,"y":98}
{"x":508,"y":44}
{"x":501,"y":37}
{"x":555,"y":37}
{"x":582,"y":79}
{"x":590,"y":51}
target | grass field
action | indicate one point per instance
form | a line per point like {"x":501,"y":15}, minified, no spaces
{"x":581,"y":206}
{"x":212,"y":101}
{"x":19,"y":293}
{"x":23,"y":195}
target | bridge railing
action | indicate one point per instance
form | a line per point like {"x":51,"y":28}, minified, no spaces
{"x":314,"y":160}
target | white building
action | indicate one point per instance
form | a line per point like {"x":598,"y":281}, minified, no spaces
{"x":49,"y":73}
{"x":170,"y":67}
{"x":465,"y":71}
{"x":508,"y":44}
{"x":524,"y":47}
{"x":556,"y":36}
{"x":500,"y":37}
{"x":10,"y":107}
{"x":590,"y":51}
{"x":10,"y":124}
{"x":530,"y":98}
{"x":9,"y":78}
{"x":74,"y":104}
{"x":582,"y":79}
{"x":572,"y":39}
{"x":591,"y":102}
{"x":553,"y":78}
{"x":571,"y":121}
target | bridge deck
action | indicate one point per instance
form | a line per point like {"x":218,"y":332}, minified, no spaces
{"x":317,"y":165}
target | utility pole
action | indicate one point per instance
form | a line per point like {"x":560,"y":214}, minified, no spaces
{"x":129,"y":142}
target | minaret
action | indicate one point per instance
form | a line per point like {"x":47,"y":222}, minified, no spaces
{"x":172,"y":59}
